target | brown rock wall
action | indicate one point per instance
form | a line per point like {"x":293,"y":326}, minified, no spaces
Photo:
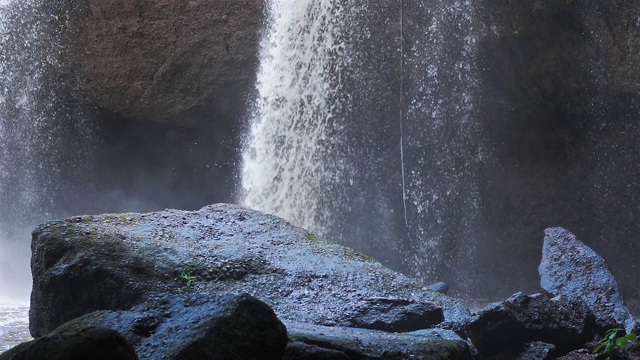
{"x":178,"y":62}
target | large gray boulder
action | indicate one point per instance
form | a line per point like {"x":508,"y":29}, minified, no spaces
{"x":117,"y":261}
{"x":571,"y":268}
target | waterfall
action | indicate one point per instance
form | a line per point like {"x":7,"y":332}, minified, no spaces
{"x":43,"y":147}
{"x":364,"y":128}
{"x":442,"y":141}
{"x":289,"y":160}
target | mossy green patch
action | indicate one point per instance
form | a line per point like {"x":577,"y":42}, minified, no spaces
{"x":120,"y":218}
{"x":355,"y":254}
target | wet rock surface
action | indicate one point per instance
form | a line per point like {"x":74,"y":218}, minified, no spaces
{"x":537,"y":351}
{"x":559,"y":110}
{"x":571,"y":268}
{"x":521,"y":319}
{"x":117,"y":261}
{"x":365,"y":344}
{"x":170,"y":272}
{"x":194,"y":327}
{"x":87,"y":343}
{"x":393,"y":315}
{"x":582,"y":354}
{"x":301,"y":351}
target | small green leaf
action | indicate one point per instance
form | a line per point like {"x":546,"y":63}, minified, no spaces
{"x":599,"y":349}
{"x":622,"y":342}
{"x":612,"y":335}
{"x":613,"y":341}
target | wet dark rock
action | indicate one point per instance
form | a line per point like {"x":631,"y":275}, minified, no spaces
{"x":194,"y":327}
{"x":580,"y":354}
{"x":117,"y":261}
{"x":521,"y":319}
{"x":571,"y":268}
{"x":537,"y":351}
{"x":371,"y":344}
{"x":394,"y":315}
{"x":303,"y":351}
{"x":559,"y":111}
{"x":441,"y":287}
{"x":631,"y":352}
{"x":88,"y":343}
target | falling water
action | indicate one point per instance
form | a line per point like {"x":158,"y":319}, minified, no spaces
{"x":442,"y":141}
{"x":43,"y":145}
{"x":289,"y":163}
{"x":386,"y":160}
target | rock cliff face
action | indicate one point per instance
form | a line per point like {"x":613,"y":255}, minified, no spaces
{"x":86,"y":84}
{"x":553,"y":116}
{"x":558,"y":109}
{"x":165,"y":60}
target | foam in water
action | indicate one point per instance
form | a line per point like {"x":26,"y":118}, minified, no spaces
{"x":288,"y":159}
{"x":14,"y":325}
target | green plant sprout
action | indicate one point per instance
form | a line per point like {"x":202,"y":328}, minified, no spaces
{"x":612,"y":342}
{"x":188,"y":279}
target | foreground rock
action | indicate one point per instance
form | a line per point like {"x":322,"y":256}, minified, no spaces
{"x":393,"y":315}
{"x":87,"y":343}
{"x":573,"y":269}
{"x":242,"y":327}
{"x":194,"y":327}
{"x":114,"y":262}
{"x":355,"y":344}
{"x":508,"y":326}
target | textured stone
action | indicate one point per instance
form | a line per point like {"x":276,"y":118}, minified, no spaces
{"x":580,"y":354}
{"x":507,"y":326}
{"x":166,"y":60}
{"x":571,"y":268}
{"x":302,"y":351}
{"x":394,"y":315}
{"x":87,"y":343}
{"x":194,"y":327}
{"x":537,"y":351}
{"x":433,"y":344}
{"x":441,"y":287}
{"x":117,"y":261}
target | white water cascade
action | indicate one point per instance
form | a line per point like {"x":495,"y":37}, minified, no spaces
{"x":43,"y":144}
{"x":295,"y":125}
{"x":364,"y":129}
